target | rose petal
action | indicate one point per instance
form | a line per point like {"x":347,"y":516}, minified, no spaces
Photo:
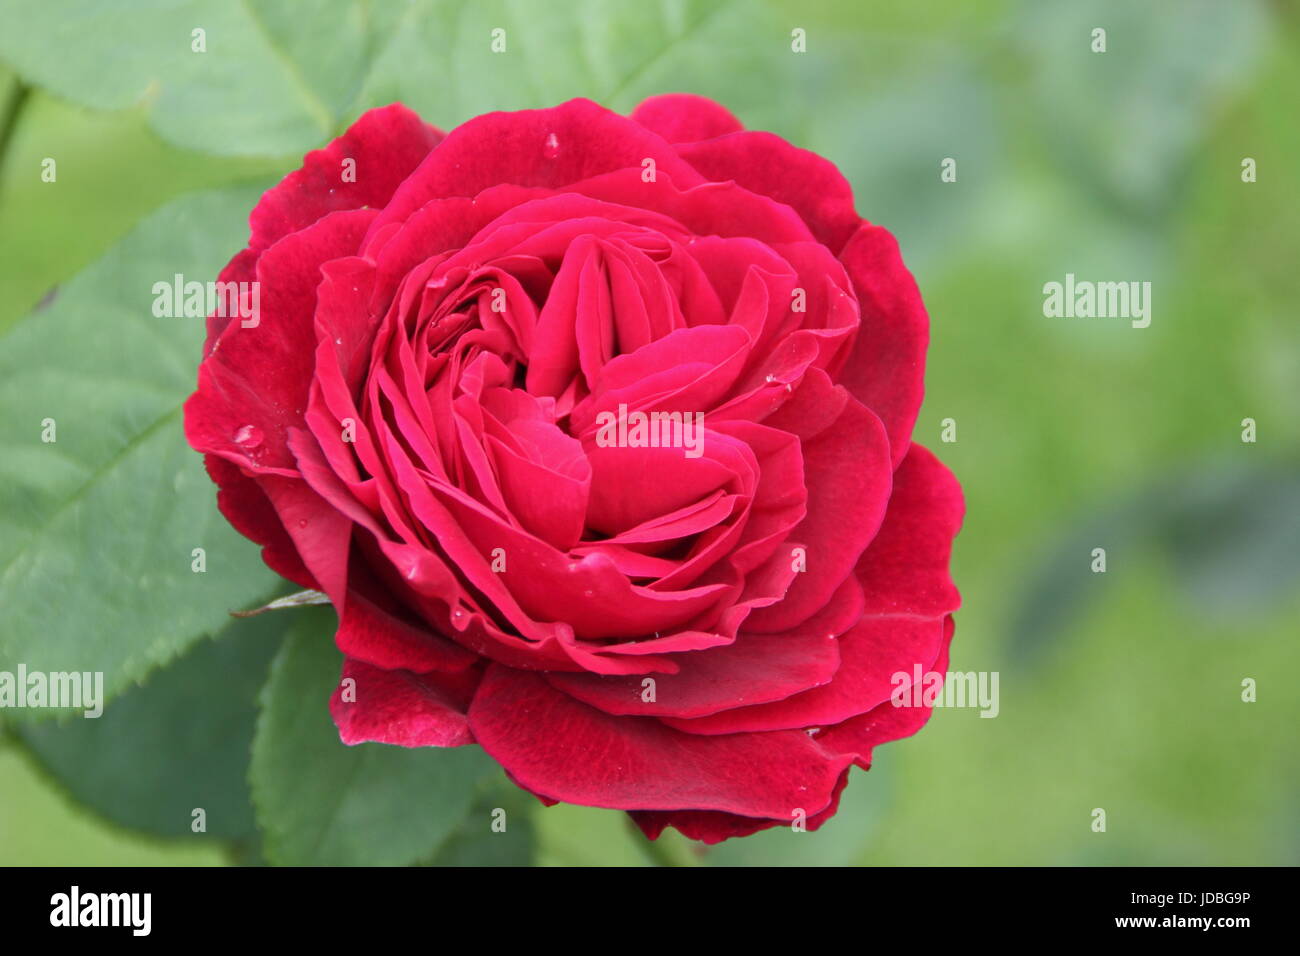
{"x":555,"y":746}
{"x":905,"y":569}
{"x":754,"y":669}
{"x":886,"y":369}
{"x":847,"y":472}
{"x":383,"y":637}
{"x":871,"y":654}
{"x":885,"y":722}
{"x":710,"y":826}
{"x":549,"y":147}
{"x":251,"y":513}
{"x":321,"y":534}
{"x":766,"y":164}
{"x":402,"y":708}
{"x":684,"y":117}
{"x":384,"y":145}
{"x":254,"y":384}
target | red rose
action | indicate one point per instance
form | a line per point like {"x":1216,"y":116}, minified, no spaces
{"x":700,"y":629}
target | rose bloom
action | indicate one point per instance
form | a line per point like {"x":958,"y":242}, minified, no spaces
{"x":707,"y":639}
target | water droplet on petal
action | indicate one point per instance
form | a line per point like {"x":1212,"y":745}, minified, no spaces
{"x":250,"y":436}
{"x":302,"y":522}
{"x":552,"y":147}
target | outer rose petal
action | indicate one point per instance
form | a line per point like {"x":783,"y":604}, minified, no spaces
{"x":242,"y":268}
{"x":403,"y":708}
{"x":552,"y":148}
{"x":766,"y":164}
{"x":250,"y":512}
{"x":905,"y":570}
{"x":872,"y":652}
{"x":756,"y":668}
{"x":885,"y":722}
{"x":848,"y":477}
{"x":907,"y":589}
{"x":387,"y":144}
{"x":684,"y":117}
{"x":886,"y":370}
{"x":320,"y":533}
{"x":253,"y":386}
{"x":710,"y":826}
{"x":548,"y":743}
{"x":378,"y":636}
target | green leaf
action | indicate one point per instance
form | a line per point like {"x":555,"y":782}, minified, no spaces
{"x":98,"y":528}
{"x":178,"y":743}
{"x":440,"y":59}
{"x":326,"y":43}
{"x":498,"y":831}
{"x":243,"y":96}
{"x":320,"y":802}
{"x":280,"y":76}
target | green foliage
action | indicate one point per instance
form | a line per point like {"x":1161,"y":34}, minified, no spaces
{"x":277,"y":76}
{"x":241,"y":96}
{"x":497,"y":831}
{"x":320,"y":802}
{"x":179,"y":743}
{"x":98,"y":527}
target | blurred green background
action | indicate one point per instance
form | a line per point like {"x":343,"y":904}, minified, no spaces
{"x":1119,"y":690}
